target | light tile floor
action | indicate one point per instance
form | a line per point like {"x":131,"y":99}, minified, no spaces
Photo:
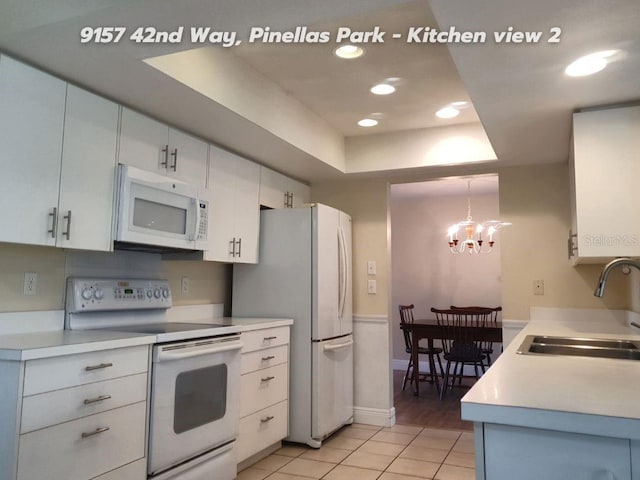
{"x":365,"y":452}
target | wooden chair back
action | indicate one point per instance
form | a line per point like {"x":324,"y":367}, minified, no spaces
{"x":460,"y":341}
{"x":406,"y":316}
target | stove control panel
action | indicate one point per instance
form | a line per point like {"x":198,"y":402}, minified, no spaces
{"x":102,"y":294}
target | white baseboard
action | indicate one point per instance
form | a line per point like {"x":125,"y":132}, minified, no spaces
{"x":375,"y":416}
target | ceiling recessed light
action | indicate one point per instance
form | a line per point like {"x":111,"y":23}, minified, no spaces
{"x":349,"y":51}
{"x":589,"y":64}
{"x":383,"y":89}
{"x":459,"y":104}
{"x":447,"y":112}
{"x":367,"y":122}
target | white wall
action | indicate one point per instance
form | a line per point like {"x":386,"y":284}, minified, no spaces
{"x":424,"y":273}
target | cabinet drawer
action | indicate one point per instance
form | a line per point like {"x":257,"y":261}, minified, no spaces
{"x":134,"y":471}
{"x":51,"y":408}
{"x":60,"y":452}
{"x":268,"y":337}
{"x":268,"y":357}
{"x":263,"y":388}
{"x":46,"y":374}
{"x":262,"y":429}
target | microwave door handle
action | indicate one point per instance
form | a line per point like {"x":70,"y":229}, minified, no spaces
{"x":196,"y":225}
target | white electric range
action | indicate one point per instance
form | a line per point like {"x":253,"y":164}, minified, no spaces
{"x":195,"y":397}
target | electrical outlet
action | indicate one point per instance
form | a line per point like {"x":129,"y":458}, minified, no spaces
{"x":538,"y":287}
{"x":30,"y":283}
{"x":186,"y":284}
{"x":371,"y":287}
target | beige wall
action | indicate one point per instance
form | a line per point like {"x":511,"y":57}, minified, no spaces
{"x":536,"y":200}
{"x":209,"y":280}
{"x":366,"y":202}
{"x":424,"y":272}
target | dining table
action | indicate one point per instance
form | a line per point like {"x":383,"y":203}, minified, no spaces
{"x":429,"y":329}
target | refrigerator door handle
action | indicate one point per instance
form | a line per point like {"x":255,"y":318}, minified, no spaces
{"x":338,"y":346}
{"x":343,"y":272}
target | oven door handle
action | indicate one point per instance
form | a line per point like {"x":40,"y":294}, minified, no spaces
{"x":167,"y":355}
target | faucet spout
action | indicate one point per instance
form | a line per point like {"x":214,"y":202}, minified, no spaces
{"x":618,"y":262}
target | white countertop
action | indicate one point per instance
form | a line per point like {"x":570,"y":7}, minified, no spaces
{"x":51,"y":343}
{"x":31,"y":346}
{"x":579,"y":394}
{"x":250,"y":324}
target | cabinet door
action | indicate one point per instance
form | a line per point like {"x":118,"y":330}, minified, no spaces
{"x":247,"y":209}
{"x":88,"y":171}
{"x":221,"y":209}
{"x":234,"y":209}
{"x":144,"y":142}
{"x":187,"y":158}
{"x":606,"y":146}
{"x":272,"y":189}
{"x":301,"y":193}
{"x":31,"y":122}
{"x":531,"y":454}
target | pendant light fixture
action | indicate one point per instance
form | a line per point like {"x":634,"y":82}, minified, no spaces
{"x":473,"y":231}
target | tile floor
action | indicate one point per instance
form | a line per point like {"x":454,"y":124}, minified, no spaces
{"x":365,"y":452}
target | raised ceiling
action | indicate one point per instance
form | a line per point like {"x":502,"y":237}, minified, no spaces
{"x":519,"y":92}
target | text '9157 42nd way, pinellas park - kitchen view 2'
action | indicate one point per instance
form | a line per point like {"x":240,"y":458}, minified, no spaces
{"x":379,"y":239}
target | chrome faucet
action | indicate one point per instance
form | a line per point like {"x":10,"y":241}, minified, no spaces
{"x":607,"y":269}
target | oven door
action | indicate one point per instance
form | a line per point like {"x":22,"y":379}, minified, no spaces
{"x":160,"y":211}
{"x":195,"y":399}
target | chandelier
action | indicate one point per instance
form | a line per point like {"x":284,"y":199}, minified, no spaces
{"x":473,"y":241}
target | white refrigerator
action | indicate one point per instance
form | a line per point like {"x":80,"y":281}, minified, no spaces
{"x":304,"y":273}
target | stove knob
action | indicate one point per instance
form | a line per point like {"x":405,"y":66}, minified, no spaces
{"x":157,"y":293}
{"x":165,"y":292}
{"x":149,"y":294}
{"x":87,"y":293}
{"x":98,"y":294}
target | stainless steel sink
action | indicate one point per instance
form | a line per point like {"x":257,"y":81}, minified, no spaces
{"x":581,"y":347}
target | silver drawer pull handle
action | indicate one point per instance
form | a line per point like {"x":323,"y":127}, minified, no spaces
{"x":54,"y":222}
{"x":67,"y":217}
{"x":98,"y":367}
{"x":266,"y":339}
{"x":267,"y":419}
{"x":95,"y":432}
{"x":266,"y":359}
{"x":268,"y":379}
{"x":101,"y":398}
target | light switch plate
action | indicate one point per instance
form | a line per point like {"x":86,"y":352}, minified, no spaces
{"x":371,"y":287}
{"x":371,"y":267}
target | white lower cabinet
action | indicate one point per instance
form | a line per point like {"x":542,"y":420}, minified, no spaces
{"x":510,"y":452}
{"x":264,"y":406}
{"x":80,"y":416}
{"x":84,"y":448}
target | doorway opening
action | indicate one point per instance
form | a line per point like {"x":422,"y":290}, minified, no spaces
{"x":425,"y":273}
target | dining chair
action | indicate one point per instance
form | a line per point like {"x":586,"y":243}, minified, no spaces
{"x":459,"y":342}
{"x":406,"y":316}
{"x":487,"y":346}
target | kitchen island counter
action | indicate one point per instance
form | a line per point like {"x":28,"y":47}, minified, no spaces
{"x":569,"y":393}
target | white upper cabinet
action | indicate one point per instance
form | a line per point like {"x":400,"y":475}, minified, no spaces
{"x":151,"y":145}
{"x":280,"y":191}
{"x":605,"y":168}
{"x":87,"y":178}
{"x":234,"y":215}
{"x":31,"y":123}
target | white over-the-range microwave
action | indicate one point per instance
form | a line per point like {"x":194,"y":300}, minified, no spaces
{"x":155,"y":212}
